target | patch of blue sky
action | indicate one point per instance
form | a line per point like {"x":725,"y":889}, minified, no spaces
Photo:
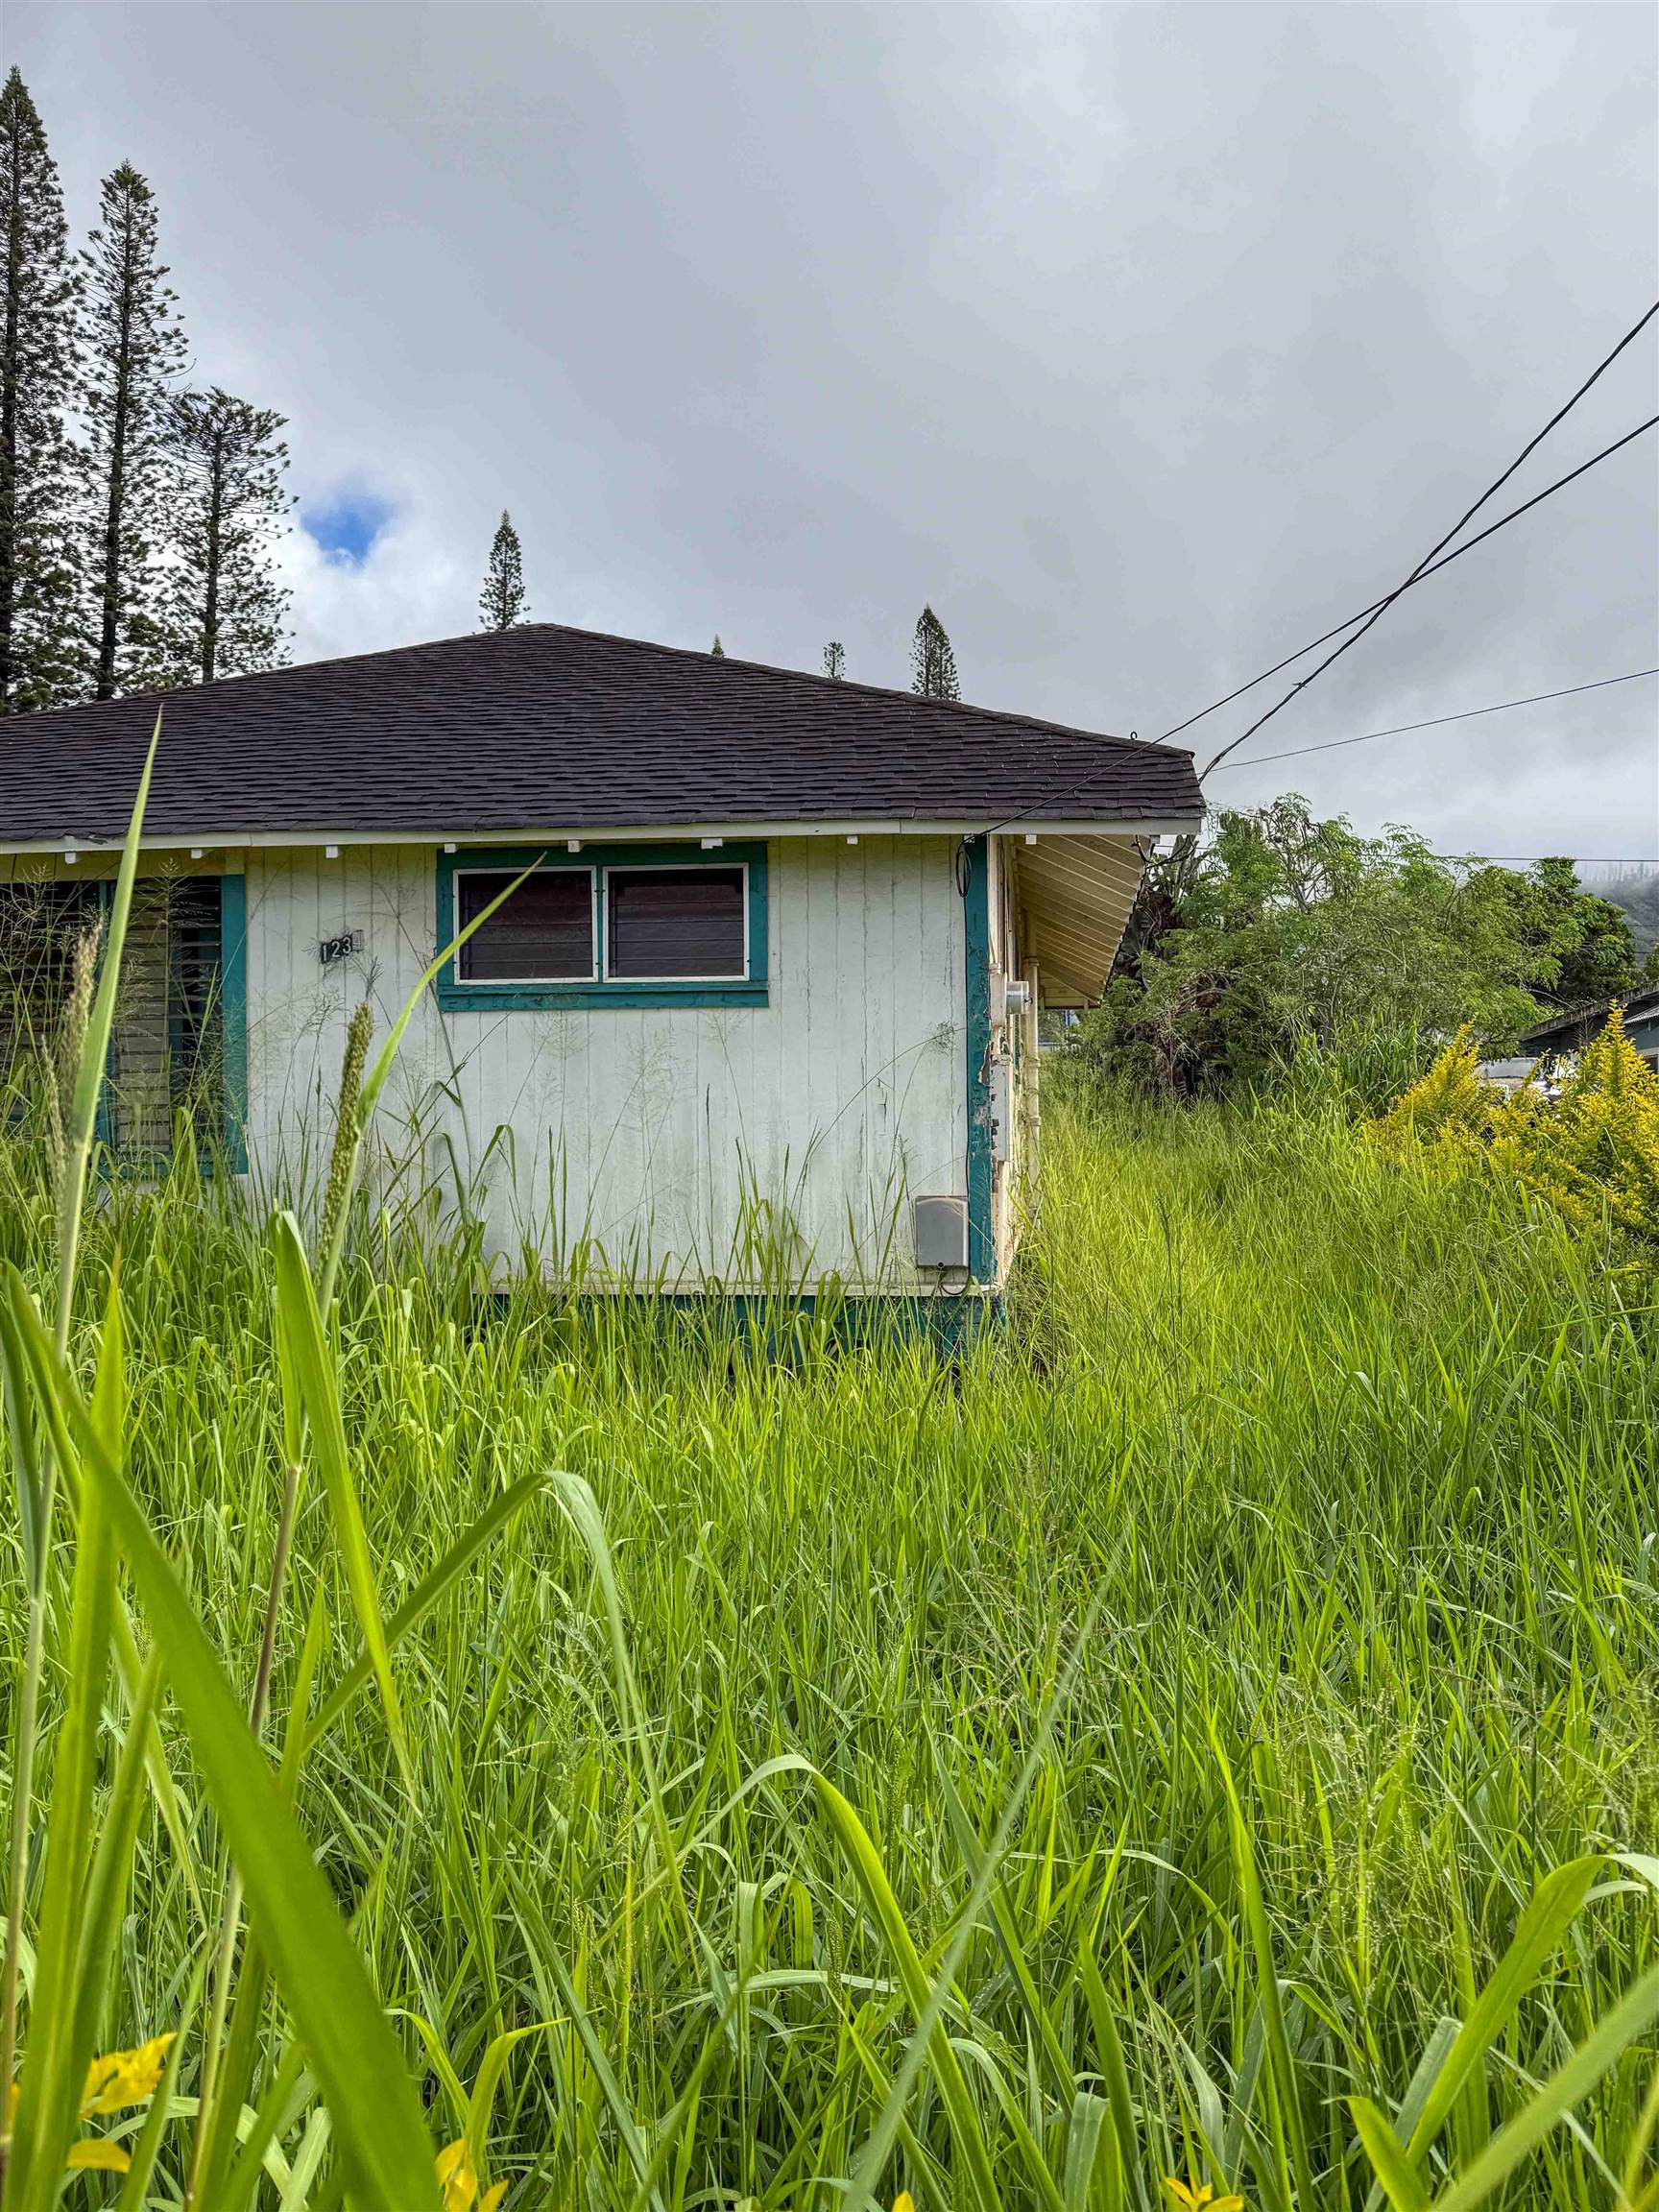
{"x":346,"y":525}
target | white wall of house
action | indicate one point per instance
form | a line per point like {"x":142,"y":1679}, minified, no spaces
{"x":653,"y":1132}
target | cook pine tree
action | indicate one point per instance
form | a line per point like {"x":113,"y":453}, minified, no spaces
{"x":835,"y":661}
{"x":38,"y":629}
{"x":932,"y":663}
{"x":226,"y":610}
{"x":132,"y":348}
{"x":503,"y":603}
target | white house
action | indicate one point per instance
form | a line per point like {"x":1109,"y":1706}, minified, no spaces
{"x":766,"y":1002}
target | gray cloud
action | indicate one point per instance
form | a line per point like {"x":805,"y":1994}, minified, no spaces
{"x":1144,"y":342}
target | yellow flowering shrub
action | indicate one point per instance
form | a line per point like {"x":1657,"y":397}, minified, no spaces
{"x":1592,"y":1153}
{"x":1448,"y":1112}
{"x":1596,"y":1151}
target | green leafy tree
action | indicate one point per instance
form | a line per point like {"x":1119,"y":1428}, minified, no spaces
{"x":502,"y":601}
{"x":37,"y":631}
{"x":130,"y":347}
{"x":1289,"y":931}
{"x":1585,"y":949}
{"x":932,"y":662}
{"x":227,"y":612}
{"x":835,"y":661}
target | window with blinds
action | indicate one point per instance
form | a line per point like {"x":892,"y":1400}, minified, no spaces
{"x":166,"y":1060}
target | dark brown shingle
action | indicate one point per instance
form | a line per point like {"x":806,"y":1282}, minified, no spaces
{"x":544,"y":727}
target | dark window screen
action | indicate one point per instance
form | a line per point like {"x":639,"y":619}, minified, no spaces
{"x":669,"y":921}
{"x":544,"y":933}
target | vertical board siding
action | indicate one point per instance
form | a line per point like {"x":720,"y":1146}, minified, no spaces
{"x":683,"y":1144}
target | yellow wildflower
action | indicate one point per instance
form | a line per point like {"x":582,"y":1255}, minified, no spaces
{"x":904,"y":2201}
{"x":1200,"y":2197}
{"x":92,"y":2153}
{"x":458,"y":2179}
{"x":98,"y":2152}
{"x":123,"y":2077}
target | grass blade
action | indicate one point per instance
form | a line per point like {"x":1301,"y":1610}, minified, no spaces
{"x":352,"y":2050}
{"x":1612,"y":2034}
{"x":1550,"y":1912}
{"x":301,"y":1325}
{"x":1395,"y":2172}
{"x":421,"y":1600}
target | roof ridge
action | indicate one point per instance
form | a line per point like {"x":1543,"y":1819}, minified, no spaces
{"x":915,"y":702}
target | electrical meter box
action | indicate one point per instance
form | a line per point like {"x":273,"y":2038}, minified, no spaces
{"x":1001,"y":1109}
{"x":941,"y":1231}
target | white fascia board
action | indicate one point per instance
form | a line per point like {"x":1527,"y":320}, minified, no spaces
{"x":675,"y":834}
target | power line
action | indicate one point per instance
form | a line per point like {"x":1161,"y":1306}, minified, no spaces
{"x":1456,"y":554}
{"x":1492,"y":528}
{"x":1437,"y":721}
{"x":1371,"y":621}
{"x":1423,"y":568}
{"x":1049,"y":798}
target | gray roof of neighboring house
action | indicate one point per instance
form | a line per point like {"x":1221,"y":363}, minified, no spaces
{"x":1567,"y":1032}
{"x":542,"y":726}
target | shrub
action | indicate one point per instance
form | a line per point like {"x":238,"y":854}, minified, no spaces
{"x":1592,"y":1153}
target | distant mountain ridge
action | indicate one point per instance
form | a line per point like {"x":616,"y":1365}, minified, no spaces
{"x":1635,"y":892}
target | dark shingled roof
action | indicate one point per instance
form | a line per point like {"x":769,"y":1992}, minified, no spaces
{"x":544,"y":727}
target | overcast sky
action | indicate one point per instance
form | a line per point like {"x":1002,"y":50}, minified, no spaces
{"x":1144,"y":342}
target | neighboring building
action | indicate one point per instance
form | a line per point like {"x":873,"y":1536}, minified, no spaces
{"x":759,"y":1013}
{"x":1568,"y":1033}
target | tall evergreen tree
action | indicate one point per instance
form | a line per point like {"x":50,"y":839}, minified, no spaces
{"x":226,"y":610}
{"x":37,"y":593}
{"x":132,"y":344}
{"x":932,"y":663}
{"x":835,"y":661}
{"x":501,"y":603}
{"x":717,"y":649}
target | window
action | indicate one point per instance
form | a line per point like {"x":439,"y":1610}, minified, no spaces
{"x":653,"y":924}
{"x":675,"y":921}
{"x":179,"y":1042}
{"x":545,"y":932}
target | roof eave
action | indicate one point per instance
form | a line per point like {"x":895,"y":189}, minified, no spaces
{"x":1017,"y":827}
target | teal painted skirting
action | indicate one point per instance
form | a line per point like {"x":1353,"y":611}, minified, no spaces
{"x":774,"y":1324}
{"x":976,"y":911}
{"x":549,"y":997}
{"x":233,"y":1020}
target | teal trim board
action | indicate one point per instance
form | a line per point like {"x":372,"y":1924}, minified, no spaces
{"x":233,"y":1021}
{"x":750,"y":990}
{"x":774,"y":1324}
{"x":103,"y":1119}
{"x":977,"y":940}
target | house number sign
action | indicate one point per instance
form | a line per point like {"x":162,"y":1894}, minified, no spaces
{"x":333,"y":949}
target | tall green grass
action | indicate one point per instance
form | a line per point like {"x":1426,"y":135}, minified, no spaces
{"x":1207,"y":1730}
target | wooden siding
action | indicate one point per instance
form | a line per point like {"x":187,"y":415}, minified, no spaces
{"x":686,"y":1144}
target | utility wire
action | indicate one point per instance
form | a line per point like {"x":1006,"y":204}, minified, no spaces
{"x":1435,"y":722}
{"x":1491,"y":530}
{"x":1423,"y":568}
{"x":1421,"y":575}
{"x":1368,"y":624}
{"x":1514,"y":515}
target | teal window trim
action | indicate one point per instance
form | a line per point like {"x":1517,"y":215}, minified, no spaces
{"x":103,"y":1115}
{"x":593,"y":860}
{"x":976,"y":880}
{"x":129,"y":1160}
